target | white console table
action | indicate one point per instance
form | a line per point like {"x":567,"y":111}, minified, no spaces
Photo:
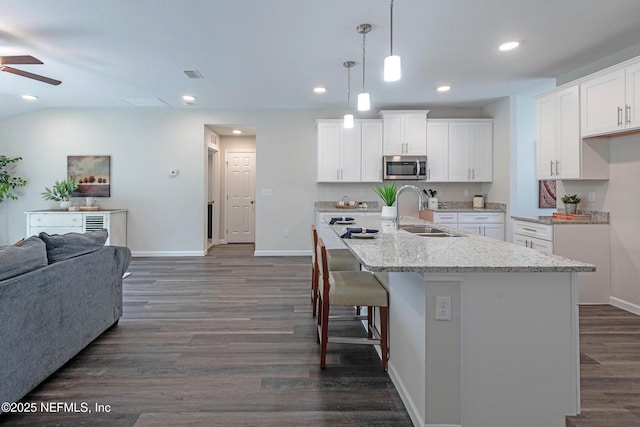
{"x":60,"y":222}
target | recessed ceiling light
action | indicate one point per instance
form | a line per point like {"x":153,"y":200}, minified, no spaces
{"x":237,"y":131}
{"x":509,"y":46}
{"x":443,"y":88}
{"x":29,"y":97}
{"x":319,"y":89}
{"x":188,"y":98}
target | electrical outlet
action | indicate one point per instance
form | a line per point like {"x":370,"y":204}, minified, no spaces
{"x":466,"y":193}
{"x":591,"y":196}
{"x":443,"y":308}
{"x":285,"y":232}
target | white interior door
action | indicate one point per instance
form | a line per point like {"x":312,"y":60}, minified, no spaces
{"x":240,"y":178}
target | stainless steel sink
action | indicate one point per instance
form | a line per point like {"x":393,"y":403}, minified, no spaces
{"x":428,"y":231}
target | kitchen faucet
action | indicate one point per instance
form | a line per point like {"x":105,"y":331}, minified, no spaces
{"x":400,"y":190}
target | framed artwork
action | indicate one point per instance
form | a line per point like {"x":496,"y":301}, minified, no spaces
{"x":94,"y":174}
{"x":547,"y":194}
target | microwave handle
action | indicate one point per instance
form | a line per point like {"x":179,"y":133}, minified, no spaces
{"x":417,"y":169}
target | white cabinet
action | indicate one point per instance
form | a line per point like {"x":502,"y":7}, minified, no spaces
{"x":437,"y":150}
{"x":582,"y":242}
{"x":560,"y":151}
{"x":471,"y":150}
{"x":488,"y":224}
{"x":405,"y":132}
{"x":349,"y":155}
{"x":62,"y":222}
{"x":371,"y":150}
{"x":609,"y":101}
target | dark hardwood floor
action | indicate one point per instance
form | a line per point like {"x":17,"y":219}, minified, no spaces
{"x":229,"y":340}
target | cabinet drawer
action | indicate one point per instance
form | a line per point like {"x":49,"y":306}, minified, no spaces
{"x":34,"y":231}
{"x":533,"y":243}
{"x":445,"y":217}
{"x":532,"y":229}
{"x":481,"y":217}
{"x":56,"y":220}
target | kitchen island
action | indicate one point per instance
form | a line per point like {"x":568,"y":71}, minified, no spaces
{"x":508,"y":356}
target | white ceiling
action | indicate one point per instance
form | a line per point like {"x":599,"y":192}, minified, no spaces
{"x":257,"y":54}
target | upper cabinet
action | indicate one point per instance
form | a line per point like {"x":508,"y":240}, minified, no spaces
{"x":349,"y":155}
{"x":609,"y":101}
{"x":471,"y":150}
{"x":560,"y":151}
{"x":437,"y":150}
{"x":404,"y":132}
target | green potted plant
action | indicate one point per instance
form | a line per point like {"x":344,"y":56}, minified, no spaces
{"x":387,"y":193}
{"x":61,"y":191}
{"x":570,"y":203}
{"x":8,"y":182}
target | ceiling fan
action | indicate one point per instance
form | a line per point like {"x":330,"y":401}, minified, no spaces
{"x":25,"y":59}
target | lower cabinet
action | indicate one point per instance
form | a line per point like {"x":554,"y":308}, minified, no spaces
{"x":488,"y":224}
{"x":582,"y":242}
{"x":62,"y":222}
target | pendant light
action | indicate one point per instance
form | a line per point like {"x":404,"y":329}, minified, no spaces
{"x":364,"y":100}
{"x":392,"y":63}
{"x":348,"y":118}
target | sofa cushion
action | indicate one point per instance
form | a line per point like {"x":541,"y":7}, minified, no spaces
{"x":70,"y":245}
{"x":22,"y":257}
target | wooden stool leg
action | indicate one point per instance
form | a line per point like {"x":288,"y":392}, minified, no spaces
{"x":324,"y":314}
{"x":314,"y":289}
{"x":384,"y":313}
{"x":369,"y":322}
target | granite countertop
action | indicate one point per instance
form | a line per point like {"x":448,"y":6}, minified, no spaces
{"x":331,"y":207}
{"x":400,"y":250}
{"x":467,"y":207}
{"x":597,"y":217}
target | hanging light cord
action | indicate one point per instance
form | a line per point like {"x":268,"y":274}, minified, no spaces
{"x":348,"y":88}
{"x":391,"y":26}
{"x":364,"y":35}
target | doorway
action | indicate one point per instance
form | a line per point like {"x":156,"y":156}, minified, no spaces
{"x":240,"y":196}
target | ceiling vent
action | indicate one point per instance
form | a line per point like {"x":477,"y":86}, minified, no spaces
{"x":193,"y":74}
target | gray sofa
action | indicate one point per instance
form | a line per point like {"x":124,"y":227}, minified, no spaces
{"x":57,"y":294}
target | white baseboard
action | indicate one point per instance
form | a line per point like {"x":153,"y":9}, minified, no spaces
{"x":167,"y":253}
{"x":625,"y":305}
{"x":282,"y":253}
{"x":409,"y":404}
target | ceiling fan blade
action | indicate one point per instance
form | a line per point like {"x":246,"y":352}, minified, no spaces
{"x":20,"y":59}
{"x":30,"y":75}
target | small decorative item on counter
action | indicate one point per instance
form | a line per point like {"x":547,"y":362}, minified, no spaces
{"x":570,"y":203}
{"x":478,"y":201}
{"x":388,"y":194}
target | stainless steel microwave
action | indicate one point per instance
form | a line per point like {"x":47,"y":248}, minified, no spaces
{"x":404,"y":167}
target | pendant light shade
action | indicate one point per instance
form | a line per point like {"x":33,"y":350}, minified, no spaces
{"x":348,"y":121}
{"x":364,"y":100}
{"x":392,"y":63}
{"x":392,"y":68}
{"x":348,"y":117}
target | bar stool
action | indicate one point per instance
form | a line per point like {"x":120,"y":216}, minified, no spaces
{"x":350,"y":288}
{"x":338,"y":259}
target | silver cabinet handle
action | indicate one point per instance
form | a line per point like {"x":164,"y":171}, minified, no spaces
{"x":480,"y":217}
{"x":627,"y":114}
{"x":530,"y":229}
{"x":619,"y":116}
{"x":473,"y":173}
{"x":557,"y":168}
{"x":341,"y":173}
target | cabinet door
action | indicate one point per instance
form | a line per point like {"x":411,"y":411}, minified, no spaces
{"x":546,"y":135}
{"x":632,"y":107}
{"x":460,"y":152}
{"x":415,"y":134}
{"x":533,"y":243}
{"x":350,"y":154}
{"x":328,"y":151}
{"x":393,"y":143}
{"x":482,"y":152}
{"x":437,"y":151}
{"x":568,"y":136}
{"x":372,"y":151}
{"x":470,"y":228}
{"x":602,"y":102}
{"x":493,"y":231}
